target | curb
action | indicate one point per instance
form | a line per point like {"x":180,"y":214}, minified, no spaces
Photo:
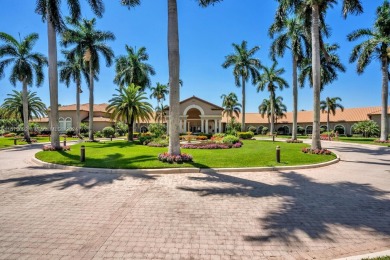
{"x":369,"y":255}
{"x":181,"y":170}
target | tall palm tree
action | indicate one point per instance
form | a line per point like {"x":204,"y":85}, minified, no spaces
{"x":230,"y":105}
{"x":245,"y":67}
{"x":91,"y":42}
{"x":313,"y":13}
{"x":292,"y":35}
{"x":26,"y":65}
{"x":132,"y":68}
{"x":129,"y":105}
{"x":271,"y":80}
{"x":329,"y":106}
{"x":330,"y":66}
{"x":160,"y":113}
{"x":174,"y":64}
{"x":13,"y":106}
{"x":72,"y":70}
{"x":280,"y":108}
{"x":159,"y":92}
{"x":376,"y":45}
{"x":50,"y":11}
{"x":265,"y":109}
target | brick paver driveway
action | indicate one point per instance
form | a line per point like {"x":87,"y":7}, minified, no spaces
{"x":335,"y":211}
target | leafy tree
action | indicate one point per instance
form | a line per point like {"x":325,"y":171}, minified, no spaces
{"x":26,"y":65}
{"x":313,"y":14}
{"x":49,"y":10}
{"x":13,"y":106}
{"x":291,"y":34}
{"x":366,"y":128}
{"x":129,"y":105}
{"x":91,"y":42}
{"x":157,"y":129}
{"x":159,"y":92}
{"x":161,"y":113}
{"x":174,"y":65}
{"x":329,"y":106}
{"x":230,"y":105}
{"x":280,"y":109}
{"x":132,"y":68}
{"x":376,"y":46}
{"x":245,"y":66}
{"x":271,"y":80}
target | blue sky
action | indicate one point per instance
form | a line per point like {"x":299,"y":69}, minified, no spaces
{"x":206,"y":35}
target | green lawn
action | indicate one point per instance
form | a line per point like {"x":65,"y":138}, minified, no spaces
{"x":360,"y":140}
{"x":8,"y":142}
{"x":120,"y":154}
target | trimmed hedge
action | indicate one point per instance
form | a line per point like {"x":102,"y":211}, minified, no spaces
{"x":245,"y":135}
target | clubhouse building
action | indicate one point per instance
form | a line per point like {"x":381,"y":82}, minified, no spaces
{"x":198,"y":115}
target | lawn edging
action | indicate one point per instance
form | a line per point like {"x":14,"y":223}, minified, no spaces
{"x":47,"y":165}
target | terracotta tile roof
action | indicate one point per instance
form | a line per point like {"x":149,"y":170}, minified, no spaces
{"x":98,"y":119}
{"x":84,"y":107}
{"x":379,"y":112}
{"x":204,"y":101}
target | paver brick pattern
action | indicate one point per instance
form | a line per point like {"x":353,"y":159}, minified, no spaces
{"x":324,"y":213}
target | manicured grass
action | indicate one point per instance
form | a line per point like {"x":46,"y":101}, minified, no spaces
{"x":120,"y":154}
{"x":9,"y":141}
{"x":361,"y":140}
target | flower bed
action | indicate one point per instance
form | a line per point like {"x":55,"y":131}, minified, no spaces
{"x":296,"y":141}
{"x":316,"y":151}
{"x":382,"y":142}
{"x":211,"y":146}
{"x":48,"y":147}
{"x":166,"y":157}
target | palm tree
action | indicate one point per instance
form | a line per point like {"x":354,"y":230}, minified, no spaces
{"x":376,"y":45}
{"x":280,"y":109}
{"x":72,"y":70}
{"x":330,"y":66}
{"x":174,"y":64}
{"x":292,"y":35}
{"x":90,"y":42}
{"x":13,"y":106}
{"x":129,"y":106}
{"x":230,"y":105}
{"x":26,"y":65}
{"x":159,"y":92}
{"x":50,"y":12}
{"x":329,"y":106}
{"x":313,"y":14}
{"x":271,"y":79}
{"x":133,"y":69}
{"x":160,"y":113}
{"x":245,"y":67}
{"x":265,"y":109}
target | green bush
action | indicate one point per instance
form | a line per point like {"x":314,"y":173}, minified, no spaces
{"x":145,"y":139}
{"x":121,"y":128}
{"x":301,"y":130}
{"x":230,"y":139}
{"x":252,"y":129}
{"x":264,"y":131}
{"x":158,"y":142}
{"x":245,"y":135}
{"x":70,"y":132}
{"x":108,"y":131}
{"x":99,"y":134}
{"x":84,"y":128}
{"x":157,"y":129}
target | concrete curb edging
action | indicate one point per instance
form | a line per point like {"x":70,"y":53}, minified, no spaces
{"x":180,"y":170}
{"x":369,"y":255}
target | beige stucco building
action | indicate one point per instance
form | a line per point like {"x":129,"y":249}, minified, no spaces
{"x":198,"y":115}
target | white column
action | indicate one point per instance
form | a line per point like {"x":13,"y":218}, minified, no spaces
{"x":220,"y":126}
{"x":202,"y":125}
{"x":215,"y":126}
{"x":207,"y":126}
{"x":185,"y":125}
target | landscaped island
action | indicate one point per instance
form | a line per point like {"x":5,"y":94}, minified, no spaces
{"x":125,"y":155}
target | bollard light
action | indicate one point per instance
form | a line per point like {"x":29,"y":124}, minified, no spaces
{"x":111,"y":137}
{"x":64,"y":140}
{"x":278,"y":154}
{"x":15,"y":141}
{"x":82,"y":153}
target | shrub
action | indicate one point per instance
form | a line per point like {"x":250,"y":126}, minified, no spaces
{"x":237,"y":145}
{"x":108,"y":131}
{"x":294,"y":141}
{"x":245,"y":135}
{"x":98,"y":134}
{"x":145,"y":139}
{"x":84,"y":128}
{"x":158,"y":142}
{"x":316,"y":151}
{"x":230,"y":139}
{"x":382,"y":142}
{"x":70,"y":132}
{"x":121,"y":128}
{"x":166,"y":157}
{"x":367,"y":128}
{"x":157,"y":129}
{"x":300,"y":130}
{"x":264,"y":130}
{"x":252,"y":129}
{"x":116,"y":134}
{"x":206,"y":146}
{"x":201,"y":137}
{"x":48,"y":147}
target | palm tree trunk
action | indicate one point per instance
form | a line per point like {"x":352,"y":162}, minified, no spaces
{"x":25,"y":112}
{"x":272,"y":130}
{"x":174,"y":72}
{"x":327,"y":124}
{"x":385,"y":100}
{"x":90,"y":101}
{"x":53,"y":84}
{"x":78,"y":108}
{"x":295,"y":99}
{"x":243,"y":106}
{"x":316,"y":64}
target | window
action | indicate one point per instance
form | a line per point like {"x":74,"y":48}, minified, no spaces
{"x":64,"y":124}
{"x":309,"y":130}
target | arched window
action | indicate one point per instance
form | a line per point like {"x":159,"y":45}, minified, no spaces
{"x":68,"y":123}
{"x":144,"y":129}
{"x":324,"y":128}
{"x":61,"y":124}
{"x":260,"y":129}
{"x":340,"y":129}
{"x":309,"y":129}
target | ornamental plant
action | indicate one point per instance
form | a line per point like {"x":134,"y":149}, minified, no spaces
{"x":294,"y":141}
{"x":245,"y":135}
{"x":230,"y":139}
{"x":316,"y":151}
{"x":50,"y":148}
{"x":108,"y":131}
{"x":166,"y":157}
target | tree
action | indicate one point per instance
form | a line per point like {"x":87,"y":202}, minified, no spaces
{"x":13,"y":106}
{"x":26,"y":65}
{"x":366,"y":128}
{"x":280,"y":109}
{"x":245,"y":67}
{"x":160,"y":113}
{"x":159,"y":92}
{"x":330,"y":66}
{"x":174,"y":65}
{"x":376,"y":45}
{"x":133,"y":69}
{"x":49,"y":10}
{"x":313,"y":13}
{"x":129,"y":105}
{"x":292,"y":35}
{"x":271,"y":80}
{"x":230,"y":105}
{"x":265,"y":109}
{"x":329,"y":106}
{"x":72,"y":70}
{"x":91,"y":42}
